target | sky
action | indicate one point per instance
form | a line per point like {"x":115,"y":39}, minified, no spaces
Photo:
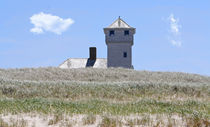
{"x":170,"y":35}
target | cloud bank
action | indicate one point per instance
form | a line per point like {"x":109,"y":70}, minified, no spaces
{"x":175,"y":31}
{"x":49,"y":23}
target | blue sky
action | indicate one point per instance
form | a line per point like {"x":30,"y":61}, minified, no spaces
{"x":158,"y":23}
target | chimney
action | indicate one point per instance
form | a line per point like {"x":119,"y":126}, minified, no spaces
{"x":92,"y":51}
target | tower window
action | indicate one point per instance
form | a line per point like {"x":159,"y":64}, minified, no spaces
{"x":124,"y":54}
{"x":111,"y":33}
{"x":126,"y":32}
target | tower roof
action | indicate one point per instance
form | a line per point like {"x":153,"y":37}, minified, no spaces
{"x":119,"y":23}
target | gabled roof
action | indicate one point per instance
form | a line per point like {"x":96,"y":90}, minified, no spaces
{"x":119,"y":23}
{"x":84,"y":63}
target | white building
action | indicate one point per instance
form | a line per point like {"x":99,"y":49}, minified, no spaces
{"x":119,"y":40}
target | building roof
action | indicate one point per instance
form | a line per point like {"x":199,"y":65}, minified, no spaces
{"x":84,"y":62}
{"x":119,"y":23}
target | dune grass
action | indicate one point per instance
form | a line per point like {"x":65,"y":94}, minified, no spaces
{"x":100,"y":75}
{"x":104,"y":107}
{"x":104,"y":91}
{"x":120,"y":91}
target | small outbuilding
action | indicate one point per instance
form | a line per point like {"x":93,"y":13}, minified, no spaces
{"x":92,"y":61}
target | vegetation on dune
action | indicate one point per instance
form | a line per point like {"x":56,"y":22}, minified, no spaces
{"x":104,"y":107}
{"x":100,"y":75}
{"x":119,"y":91}
{"x":104,"y":91}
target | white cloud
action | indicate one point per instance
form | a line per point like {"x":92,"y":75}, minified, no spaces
{"x":36,"y":30}
{"x":174,"y":24}
{"x":49,"y":23}
{"x":175,"y":31}
{"x":176,"y":43}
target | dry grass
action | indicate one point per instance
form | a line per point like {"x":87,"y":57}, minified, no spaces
{"x":3,"y":123}
{"x":106,"y":91}
{"x":162,"y":120}
{"x":56,"y":118}
{"x":100,"y":75}
{"x":14,"y":123}
{"x":89,"y":119}
{"x":110,"y":122}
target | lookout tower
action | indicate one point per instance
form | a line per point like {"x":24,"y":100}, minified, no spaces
{"x":119,"y":41}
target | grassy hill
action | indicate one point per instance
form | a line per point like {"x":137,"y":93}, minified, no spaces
{"x":104,"y":97}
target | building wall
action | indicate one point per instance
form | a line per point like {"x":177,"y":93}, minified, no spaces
{"x":117,"y":44}
{"x":119,"y":35}
{"x":116,"y":55}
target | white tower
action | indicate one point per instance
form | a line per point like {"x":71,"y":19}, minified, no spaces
{"x":119,"y":41}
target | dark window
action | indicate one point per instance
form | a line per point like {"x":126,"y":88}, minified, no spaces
{"x":126,"y":32}
{"x":111,"y":32}
{"x":124,"y":54}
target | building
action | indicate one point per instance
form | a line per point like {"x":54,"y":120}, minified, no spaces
{"x":119,"y":40}
{"x":92,"y":61}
